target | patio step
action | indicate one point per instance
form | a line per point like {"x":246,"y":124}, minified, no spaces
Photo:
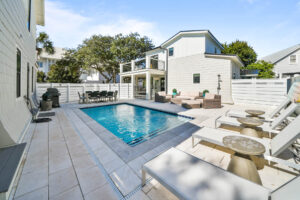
{"x":10,"y":159}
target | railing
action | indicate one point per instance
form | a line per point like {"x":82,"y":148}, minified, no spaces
{"x":127,"y":67}
{"x":140,"y":64}
{"x":157,"y":64}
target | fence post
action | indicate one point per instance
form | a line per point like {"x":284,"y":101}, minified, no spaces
{"x":119,"y":90}
{"x":51,"y":85}
{"x":68,"y":92}
{"x":83,"y":88}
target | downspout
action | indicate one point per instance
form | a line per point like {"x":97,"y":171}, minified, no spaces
{"x":167,"y":64}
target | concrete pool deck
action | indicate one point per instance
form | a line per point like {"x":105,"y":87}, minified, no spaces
{"x":66,"y":158}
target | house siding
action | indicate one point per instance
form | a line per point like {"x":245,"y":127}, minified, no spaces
{"x":181,"y":70}
{"x":14,"y":114}
{"x":284,"y":66}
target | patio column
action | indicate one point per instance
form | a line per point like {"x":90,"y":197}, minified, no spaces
{"x":132,"y":86}
{"x":147,"y":62}
{"x":121,"y":68}
{"x":148,"y":85}
{"x":132,"y":65}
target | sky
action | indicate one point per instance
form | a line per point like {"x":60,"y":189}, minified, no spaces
{"x":267,"y":25}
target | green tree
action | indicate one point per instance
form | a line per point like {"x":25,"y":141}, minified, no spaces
{"x":66,"y":70}
{"x":130,"y":47}
{"x":105,"y":53}
{"x":41,"y":77}
{"x":43,"y":42}
{"x":95,"y":53}
{"x":243,"y":50}
{"x":265,"y":69}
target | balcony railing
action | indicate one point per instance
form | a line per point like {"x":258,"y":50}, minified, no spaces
{"x":157,"y":64}
{"x":141,"y":64}
{"x":127,"y":67}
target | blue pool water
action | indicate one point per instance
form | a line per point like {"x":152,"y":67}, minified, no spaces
{"x":133,"y":124}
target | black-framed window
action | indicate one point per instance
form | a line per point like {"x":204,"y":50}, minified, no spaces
{"x":29,"y":15}
{"x":32,"y":77}
{"x":18,"y":73}
{"x":196,"y":78}
{"x":171,"y":51}
{"x":293,"y":59}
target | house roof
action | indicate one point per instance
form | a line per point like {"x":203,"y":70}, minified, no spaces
{"x":188,"y":32}
{"x":277,"y":56}
{"x":234,"y":58}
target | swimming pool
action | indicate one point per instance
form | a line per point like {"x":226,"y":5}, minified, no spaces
{"x":134,"y":124}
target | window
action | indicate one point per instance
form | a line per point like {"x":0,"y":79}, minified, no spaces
{"x":171,"y":51}
{"x":29,"y":15}
{"x":215,"y":49}
{"x":293,"y":59}
{"x":40,"y":64}
{"x":18,"y":73}
{"x":32,"y":77}
{"x":196,"y":78}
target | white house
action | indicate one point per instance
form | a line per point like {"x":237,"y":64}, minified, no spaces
{"x":18,"y":19}
{"x":45,"y":60}
{"x":286,"y":62}
{"x":188,"y":61}
{"x":18,"y":64}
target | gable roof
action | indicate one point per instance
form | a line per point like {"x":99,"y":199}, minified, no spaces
{"x":233,"y":57}
{"x":188,"y":32}
{"x":277,"y":56}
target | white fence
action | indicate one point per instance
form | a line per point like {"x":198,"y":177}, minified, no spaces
{"x":259,"y":91}
{"x":69,"y":91}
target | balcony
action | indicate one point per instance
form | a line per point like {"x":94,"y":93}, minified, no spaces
{"x":142,"y":64}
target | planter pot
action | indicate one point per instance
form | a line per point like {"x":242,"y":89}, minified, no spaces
{"x":46,"y":105}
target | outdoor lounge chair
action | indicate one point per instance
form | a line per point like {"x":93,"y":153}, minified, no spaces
{"x":269,"y":127}
{"x":274,"y":147}
{"x":162,"y":97}
{"x":191,"y":178}
{"x":37,"y":117}
{"x":292,"y":94}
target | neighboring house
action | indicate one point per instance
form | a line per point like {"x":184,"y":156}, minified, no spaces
{"x":18,"y":19}
{"x":45,"y":60}
{"x":286,"y":62}
{"x":188,"y":61}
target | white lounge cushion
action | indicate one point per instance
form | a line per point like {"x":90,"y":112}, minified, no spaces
{"x":191,"y":178}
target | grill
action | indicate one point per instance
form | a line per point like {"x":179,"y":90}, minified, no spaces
{"x":54,"y":96}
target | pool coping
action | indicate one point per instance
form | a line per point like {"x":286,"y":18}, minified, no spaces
{"x":124,"y":151}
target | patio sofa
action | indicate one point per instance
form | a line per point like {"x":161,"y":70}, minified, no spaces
{"x":162,"y":97}
{"x":209,"y":101}
{"x":189,"y":95}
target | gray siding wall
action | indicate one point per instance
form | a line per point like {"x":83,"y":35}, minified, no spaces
{"x":14,"y":114}
{"x":181,"y":70}
{"x":284,"y":65}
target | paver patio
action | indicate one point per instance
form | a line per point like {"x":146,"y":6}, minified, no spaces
{"x":66,"y":158}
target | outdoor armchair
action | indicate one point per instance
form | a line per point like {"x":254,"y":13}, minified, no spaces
{"x":162,"y":97}
{"x":211,"y":101}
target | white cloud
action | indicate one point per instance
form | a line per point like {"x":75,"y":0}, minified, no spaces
{"x":67,"y":28}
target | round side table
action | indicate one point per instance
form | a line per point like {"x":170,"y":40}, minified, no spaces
{"x":241,"y":163}
{"x":255,"y":113}
{"x":249,"y":126}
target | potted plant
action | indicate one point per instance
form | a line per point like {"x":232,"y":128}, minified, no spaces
{"x":46,"y":103}
{"x":174,"y":92}
{"x":205,"y":91}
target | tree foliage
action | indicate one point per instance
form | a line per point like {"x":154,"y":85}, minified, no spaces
{"x":41,"y":77}
{"x":243,"y":50}
{"x":66,"y":70}
{"x":265,"y":69}
{"x":43,"y":42}
{"x":105,"y":53}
